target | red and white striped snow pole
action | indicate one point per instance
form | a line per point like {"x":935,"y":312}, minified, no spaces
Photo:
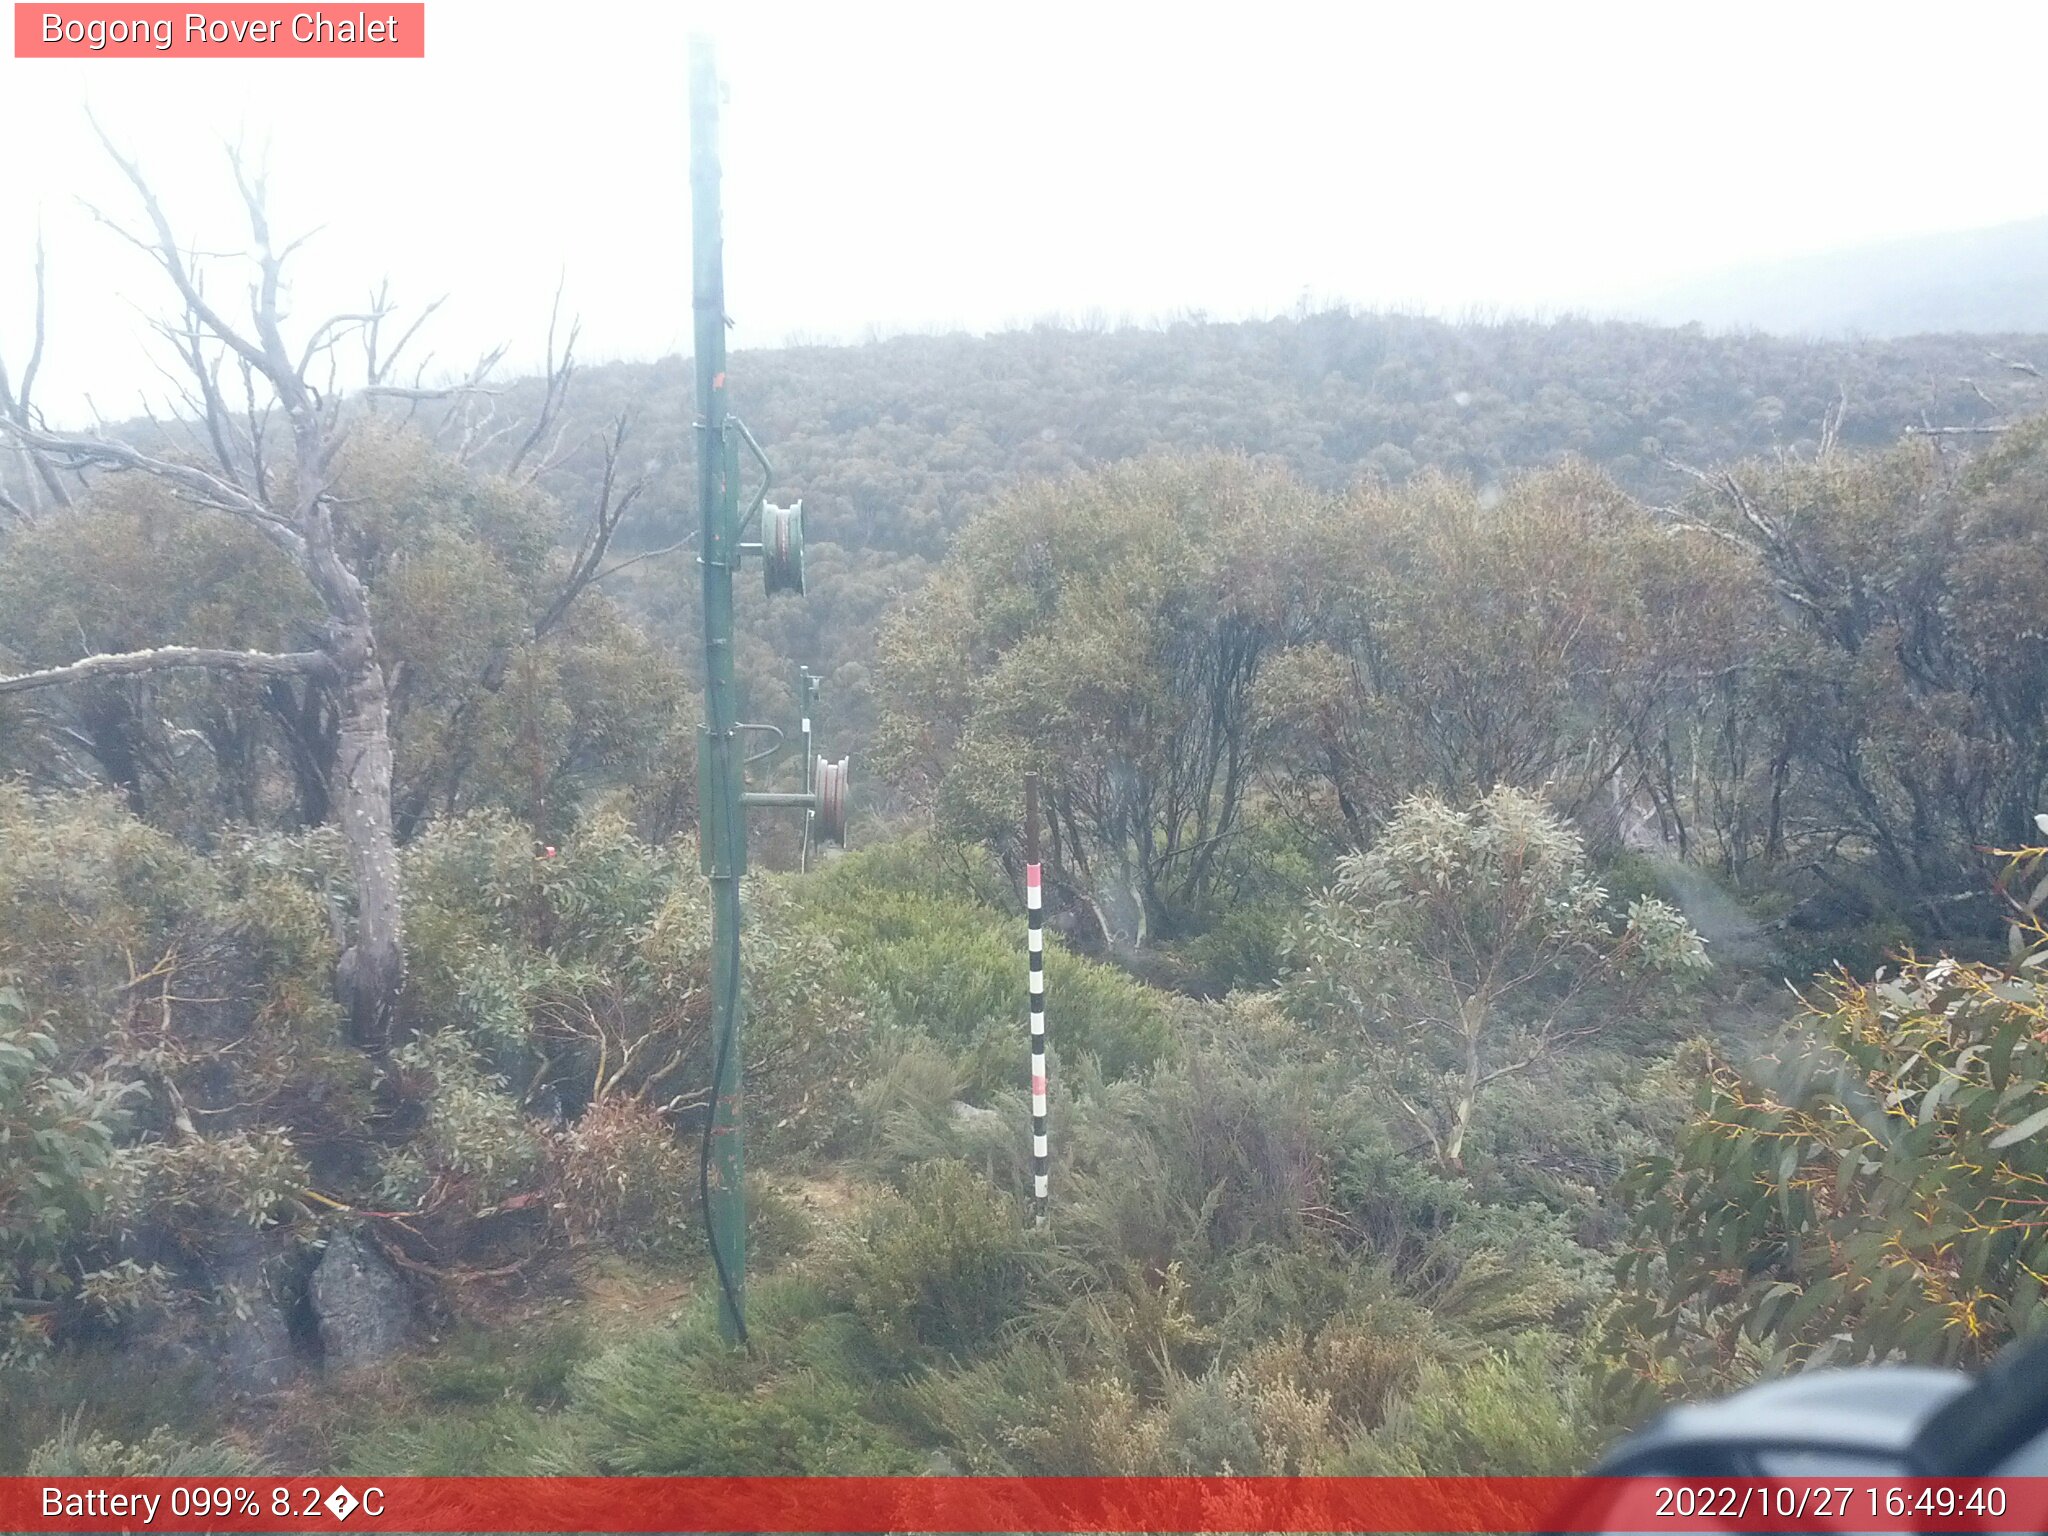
{"x":1034,"y":942}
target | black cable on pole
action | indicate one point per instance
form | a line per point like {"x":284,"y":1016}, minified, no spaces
{"x":732,"y":1300}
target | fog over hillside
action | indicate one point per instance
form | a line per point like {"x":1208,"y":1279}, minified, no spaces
{"x":1980,"y":280}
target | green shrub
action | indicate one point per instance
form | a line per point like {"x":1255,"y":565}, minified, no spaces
{"x":907,"y":1102}
{"x":1267,"y":873}
{"x":476,"y":1366}
{"x":628,"y":1180}
{"x":1858,"y":948}
{"x":1358,"y":1364}
{"x":681,"y":1402}
{"x":811,"y":1428}
{"x":78,"y":1452}
{"x":1468,"y":945}
{"x":1865,"y":1192}
{"x":1206,"y":1157}
{"x":1028,"y":1411}
{"x":778,"y":1228}
{"x":210,"y":980}
{"x":473,"y":1131}
{"x":498,"y":1440}
{"x":590,"y":971}
{"x":105,"y":921}
{"x":86,"y":889}
{"x":1565,"y":1134}
{"x":1245,"y":948}
{"x":104,"y":1388}
{"x":57,"y":1149}
{"x":952,"y":968}
{"x":1212,"y":1427}
{"x":919,"y":864}
{"x":192,"y":1187}
{"x":940,"y":1268}
{"x":1520,"y":1412}
{"x":1484,"y":1267}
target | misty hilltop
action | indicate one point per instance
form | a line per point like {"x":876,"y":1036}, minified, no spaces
{"x":1973,"y":280}
{"x":894,"y":443}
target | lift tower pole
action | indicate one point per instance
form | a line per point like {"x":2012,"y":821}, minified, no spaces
{"x":721,"y":774}
{"x":722,"y":794}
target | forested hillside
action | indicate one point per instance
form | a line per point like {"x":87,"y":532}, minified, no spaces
{"x":895,"y":444}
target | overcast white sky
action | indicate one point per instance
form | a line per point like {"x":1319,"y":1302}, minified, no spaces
{"x":897,"y":166}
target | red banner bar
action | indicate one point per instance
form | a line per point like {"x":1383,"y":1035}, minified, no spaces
{"x":993,"y":1504}
{"x":377,"y":30}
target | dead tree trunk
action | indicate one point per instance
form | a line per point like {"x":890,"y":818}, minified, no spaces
{"x":372,"y":969}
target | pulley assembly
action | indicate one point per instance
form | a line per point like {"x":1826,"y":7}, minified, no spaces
{"x":782,"y":549}
{"x":823,"y":798}
{"x":781,"y":541}
{"x":831,"y":781}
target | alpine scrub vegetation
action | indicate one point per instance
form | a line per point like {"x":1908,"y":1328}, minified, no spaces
{"x":1399,"y":1121}
{"x":182,"y":1120}
{"x":1462,"y":949}
{"x":1244,"y":1272}
{"x":1225,"y":1287}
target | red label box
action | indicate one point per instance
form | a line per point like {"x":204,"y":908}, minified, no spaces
{"x":162,"y":1506}
{"x":379,"y":30}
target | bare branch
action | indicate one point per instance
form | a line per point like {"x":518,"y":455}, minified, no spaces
{"x":208,"y":402}
{"x":258,"y":423}
{"x":646,"y":554}
{"x":168,"y":255}
{"x":409,"y":392}
{"x":172,"y":658}
{"x":331,"y":330}
{"x":378,"y":369}
{"x":555,"y":389}
{"x":1831,"y":425}
{"x":288,"y":381}
{"x":35,"y":351}
{"x":208,"y":488}
{"x":609,"y":512}
{"x":557,"y":455}
{"x":20,"y":406}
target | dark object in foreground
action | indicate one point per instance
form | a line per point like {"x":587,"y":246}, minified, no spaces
{"x":1903,"y":1421}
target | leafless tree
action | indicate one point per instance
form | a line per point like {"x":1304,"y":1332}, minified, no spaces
{"x":266,"y":418}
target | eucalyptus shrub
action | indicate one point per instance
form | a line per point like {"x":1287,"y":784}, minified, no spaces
{"x":473,"y":1134}
{"x":58,"y":1135}
{"x":1467,"y":945}
{"x":585,"y":969}
{"x":1871,"y":1190}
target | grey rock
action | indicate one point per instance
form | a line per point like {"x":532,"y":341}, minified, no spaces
{"x":256,"y":1356}
{"x":250,"y":1344}
{"x":359,"y":1303}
